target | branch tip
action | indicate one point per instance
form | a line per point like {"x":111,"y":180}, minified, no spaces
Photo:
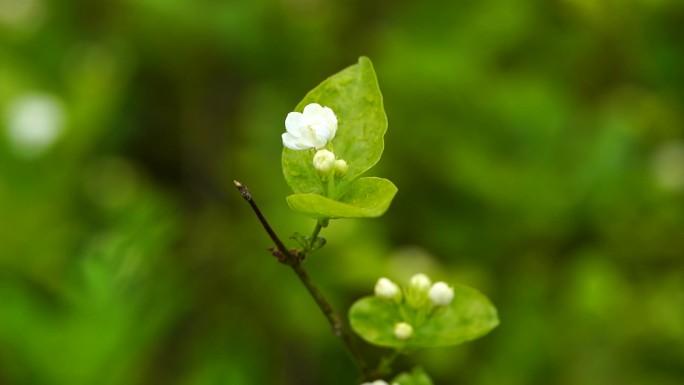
{"x":243,"y":190}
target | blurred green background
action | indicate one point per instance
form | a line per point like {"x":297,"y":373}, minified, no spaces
{"x":538,"y":147}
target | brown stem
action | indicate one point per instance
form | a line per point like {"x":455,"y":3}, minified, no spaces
{"x":293,"y":259}
{"x":244,"y":191}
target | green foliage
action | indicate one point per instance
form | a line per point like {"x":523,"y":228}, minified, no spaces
{"x":535,"y":144}
{"x":469,"y":316}
{"x":353,"y":94}
{"x":367,"y":197}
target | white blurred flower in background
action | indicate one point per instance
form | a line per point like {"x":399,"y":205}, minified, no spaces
{"x":34,"y":122}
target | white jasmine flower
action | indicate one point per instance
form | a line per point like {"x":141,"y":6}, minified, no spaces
{"x":324,"y":162}
{"x":386,"y":289}
{"x":377,"y":382}
{"x":403,"y":331}
{"x":441,"y":294}
{"x":312,"y":128}
{"x":341,"y":167}
{"x":420,"y":282}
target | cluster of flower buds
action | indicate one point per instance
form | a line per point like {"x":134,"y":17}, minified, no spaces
{"x":420,"y":295}
{"x":417,"y":293}
{"x":325,"y":164}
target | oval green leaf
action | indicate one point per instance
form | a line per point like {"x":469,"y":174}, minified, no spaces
{"x":366,"y":198}
{"x":353,"y":94}
{"x":470,"y":316}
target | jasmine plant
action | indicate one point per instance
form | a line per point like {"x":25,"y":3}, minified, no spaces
{"x":334,"y":136}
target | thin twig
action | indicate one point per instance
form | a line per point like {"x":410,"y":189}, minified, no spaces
{"x":244,"y":191}
{"x":292,"y":259}
{"x":340,"y":329}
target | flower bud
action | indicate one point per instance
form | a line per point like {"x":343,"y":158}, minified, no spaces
{"x":324,"y":162}
{"x":441,"y":294}
{"x":403,"y":331}
{"x":417,"y":291}
{"x":341,"y":167}
{"x":420,"y":282}
{"x":387,"y":289}
{"x":376,"y":382}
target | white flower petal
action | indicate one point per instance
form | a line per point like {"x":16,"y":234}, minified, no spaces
{"x":312,"y":109}
{"x":330,"y":117}
{"x":292,"y":142}
{"x":319,"y":141}
{"x":294,"y":123}
{"x":313,"y":128}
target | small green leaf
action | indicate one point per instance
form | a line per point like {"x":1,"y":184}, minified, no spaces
{"x":307,"y":243}
{"x":470,"y":315}
{"x":353,"y":94}
{"x":416,"y":377}
{"x":301,"y":239}
{"x":318,"y":243}
{"x":366,"y":198}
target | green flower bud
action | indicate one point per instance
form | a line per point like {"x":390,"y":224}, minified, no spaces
{"x":341,"y":167}
{"x":420,"y":282}
{"x":324,"y":162}
{"x":417,"y":290}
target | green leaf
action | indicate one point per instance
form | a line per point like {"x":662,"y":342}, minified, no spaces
{"x":318,"y":243}
{"x":416,"y":377}
{"x":303,"y":240}
{"x":366,"y":198}
{"x":353,"y":94}
{"x":469,"y":316}
{"x":307,"y":243}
